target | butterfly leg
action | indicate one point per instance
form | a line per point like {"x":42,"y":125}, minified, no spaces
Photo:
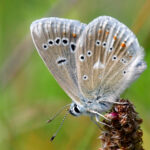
{"x":97,"y":120}
{"x":119,"y":103}
{"x":98,"y":114}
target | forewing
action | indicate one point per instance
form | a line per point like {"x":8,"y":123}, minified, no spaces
{"x":55,"y":40}
{"x":109,"y":58}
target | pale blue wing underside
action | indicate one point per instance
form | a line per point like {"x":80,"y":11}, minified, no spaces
{"x":97,"y":61}
{"x":108,"y":59}
{"x":55,"y":40}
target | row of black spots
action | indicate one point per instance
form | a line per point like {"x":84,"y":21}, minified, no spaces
{"x":82,"y":57}
{"x":122,"y":60}
{"x":64,"y":41}
{"x":89,"y":53}
{"x":58,"y":41}
{"x":99,"y":43}
{"x":85,"y":77}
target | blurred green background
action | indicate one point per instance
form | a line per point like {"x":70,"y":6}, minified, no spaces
{"x":29,"y":95}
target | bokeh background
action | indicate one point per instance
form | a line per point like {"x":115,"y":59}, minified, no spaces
{"x":29,"y":95}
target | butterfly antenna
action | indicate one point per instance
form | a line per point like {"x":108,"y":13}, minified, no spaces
{"x":54,"y":135}
{"x":53,"y":117}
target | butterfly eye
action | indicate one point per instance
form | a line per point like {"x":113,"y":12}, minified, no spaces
{"x":65,"y":41}
{"x":114,"y":57}
{"x":72,"y":47}
{"x":76,"y":109}
{"x":57,"y":41}
{"x":45,"y":47}
{"x":85,"y":77}
{"x":50,"y":42}
{"x":98,"y":42}
{"x":82,"y":57}
{"x":89,"y":53}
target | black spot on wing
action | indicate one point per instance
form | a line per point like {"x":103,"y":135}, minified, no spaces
{"x":61,"y":61}
{"x":72,"y":47}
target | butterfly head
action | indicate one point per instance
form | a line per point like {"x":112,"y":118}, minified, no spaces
{"x":76,"y":110}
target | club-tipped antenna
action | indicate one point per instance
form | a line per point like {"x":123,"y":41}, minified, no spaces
{"x":53,"y":117}
{"x":54,"y":135}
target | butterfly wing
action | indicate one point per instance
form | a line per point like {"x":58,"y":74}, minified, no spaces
{"x":55,"y":40}
{"x":109,"y":58}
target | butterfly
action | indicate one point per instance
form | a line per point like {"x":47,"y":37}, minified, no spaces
{"x":93,"y":63}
